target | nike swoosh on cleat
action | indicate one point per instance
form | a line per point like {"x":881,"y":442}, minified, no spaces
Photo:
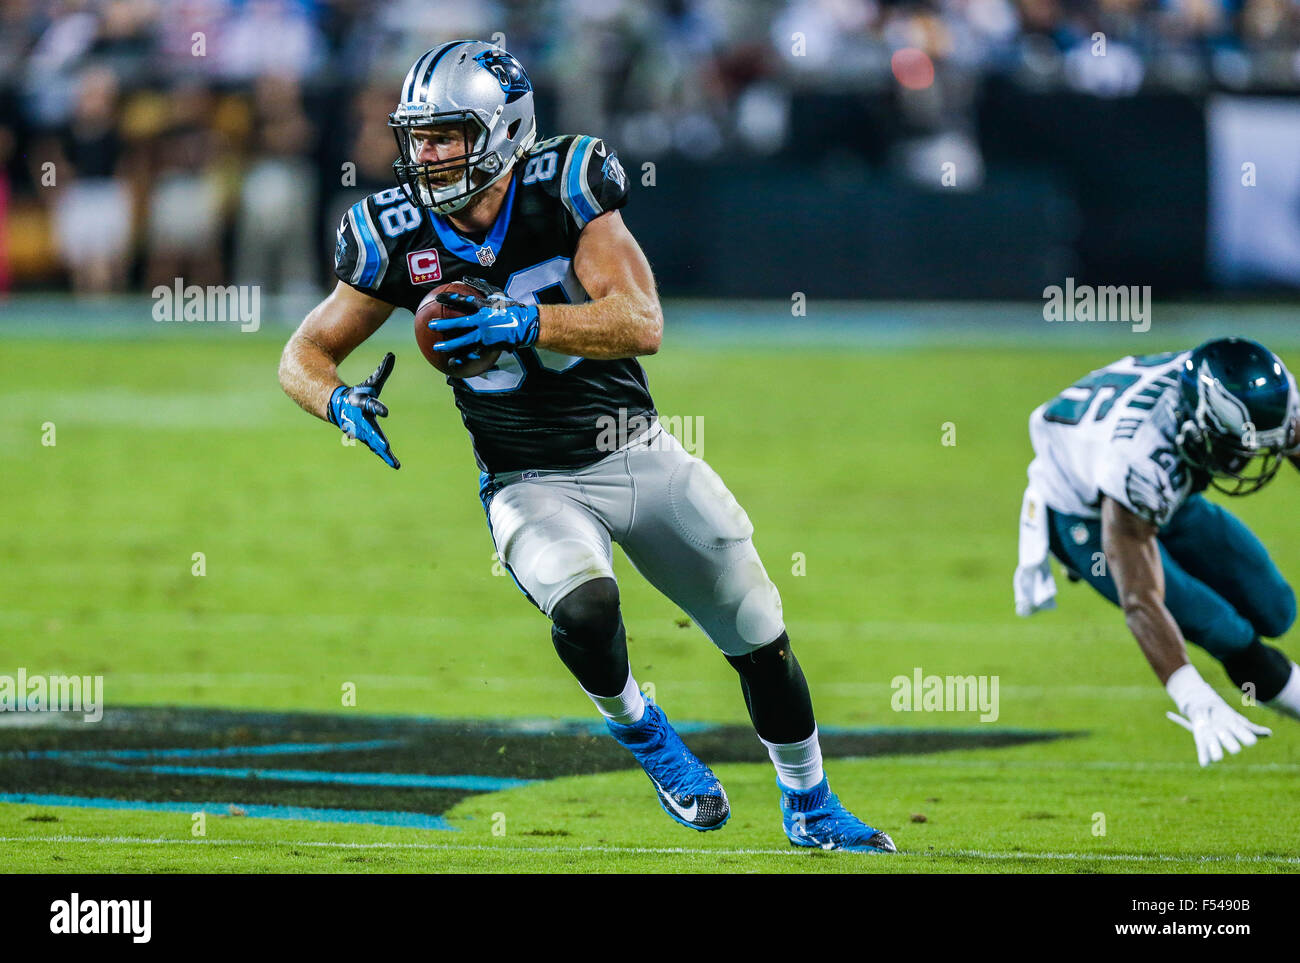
{"x":882,"y":842}
{"x":686,"y":814}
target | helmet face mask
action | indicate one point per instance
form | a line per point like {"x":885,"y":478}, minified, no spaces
{"x":1232,"y":467}
{"x":442,"y":184}
{"x":480,"y":94}
{"x":1239,"y":405}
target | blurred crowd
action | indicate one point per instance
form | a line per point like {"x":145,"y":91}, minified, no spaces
{"x":220,"y":140}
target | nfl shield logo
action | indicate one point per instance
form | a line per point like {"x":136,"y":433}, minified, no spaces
{"x":486,"y":256}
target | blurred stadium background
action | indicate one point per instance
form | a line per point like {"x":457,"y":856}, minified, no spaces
{"x":920,"y":171}
{"x":1099,"y":140}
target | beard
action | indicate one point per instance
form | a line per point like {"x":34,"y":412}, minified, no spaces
{"x":436,"y":180}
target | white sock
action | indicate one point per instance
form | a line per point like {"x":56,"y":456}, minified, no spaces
{"x":798,"y":764}
{"x":625,"y":708}
{"x":1288,"y":700}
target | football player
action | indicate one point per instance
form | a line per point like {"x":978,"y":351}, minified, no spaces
{"x":1121,"y":460}
{"x":566,"y":295}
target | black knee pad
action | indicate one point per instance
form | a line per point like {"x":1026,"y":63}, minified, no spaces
{"x":587,"y":630}
{"x":1261,"y":665}
{"x":776,"y":692}
{"x":590,"y":612}
{"x":775,"y":658}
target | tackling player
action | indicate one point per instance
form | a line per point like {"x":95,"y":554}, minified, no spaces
{"x":1121,"y":458}
{"x":567,"y":296}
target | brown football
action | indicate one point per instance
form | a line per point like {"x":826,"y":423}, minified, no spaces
{"x":426,"y":339}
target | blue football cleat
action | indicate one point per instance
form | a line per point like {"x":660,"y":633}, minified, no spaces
{"x":816,"y":817}
{"x":687,"y":789}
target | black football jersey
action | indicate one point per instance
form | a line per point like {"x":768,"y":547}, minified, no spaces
{"x":535,"y":408}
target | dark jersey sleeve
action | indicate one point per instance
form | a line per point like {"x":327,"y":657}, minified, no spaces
{"x":585,"y":175}
{"x":369,"y":248}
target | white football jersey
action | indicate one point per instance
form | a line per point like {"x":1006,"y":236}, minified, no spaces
{"x":1112,"y":433}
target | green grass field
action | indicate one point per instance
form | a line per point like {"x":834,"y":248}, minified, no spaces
{"x":324,"y":567}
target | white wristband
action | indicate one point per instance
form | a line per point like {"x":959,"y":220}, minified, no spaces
{"x":1182,"y":685}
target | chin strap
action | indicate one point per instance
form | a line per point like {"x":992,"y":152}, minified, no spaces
{"x":1293,"y":450}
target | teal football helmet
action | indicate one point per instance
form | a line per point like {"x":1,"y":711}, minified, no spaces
{"x":1239,"y":408}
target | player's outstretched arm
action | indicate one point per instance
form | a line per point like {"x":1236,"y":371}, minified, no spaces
{"x":309,"y":367}
{"x":1133,"y":554}
{"x":623,"y":319}
{"x":332,"y":331}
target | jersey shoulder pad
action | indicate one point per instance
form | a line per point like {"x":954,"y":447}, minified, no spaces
{"x":1151,"y":487}
{"x":581,"y":171}
{"x":370,"y":239}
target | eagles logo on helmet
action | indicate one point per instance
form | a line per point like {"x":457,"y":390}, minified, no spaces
{"x":1239,"y":406}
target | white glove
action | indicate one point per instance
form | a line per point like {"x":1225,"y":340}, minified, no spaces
{"x":1213,"y":723}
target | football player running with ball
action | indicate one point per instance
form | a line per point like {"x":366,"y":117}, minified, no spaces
{"x":1121,"y":458}
{"x":567,"y":297}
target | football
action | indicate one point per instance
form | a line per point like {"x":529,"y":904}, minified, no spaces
{"x":426,"y":339}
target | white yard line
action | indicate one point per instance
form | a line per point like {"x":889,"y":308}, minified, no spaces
{"x":643,"y":850}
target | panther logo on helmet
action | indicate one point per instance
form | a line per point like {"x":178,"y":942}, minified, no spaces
{"x":508,"y":72}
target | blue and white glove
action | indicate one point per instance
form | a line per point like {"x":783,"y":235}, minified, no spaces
{"x":1213,"y":723}
{"x":355,"y":410}
{"x":493,"y":320}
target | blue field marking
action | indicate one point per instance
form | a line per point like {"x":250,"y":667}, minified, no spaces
{"x":403,"y":731}
{"x":404,"y":780}
{"x":273,"y":749}
{"x":370,"y":817}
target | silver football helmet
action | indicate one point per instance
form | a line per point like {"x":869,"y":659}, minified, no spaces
{"x":475,"y":88}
